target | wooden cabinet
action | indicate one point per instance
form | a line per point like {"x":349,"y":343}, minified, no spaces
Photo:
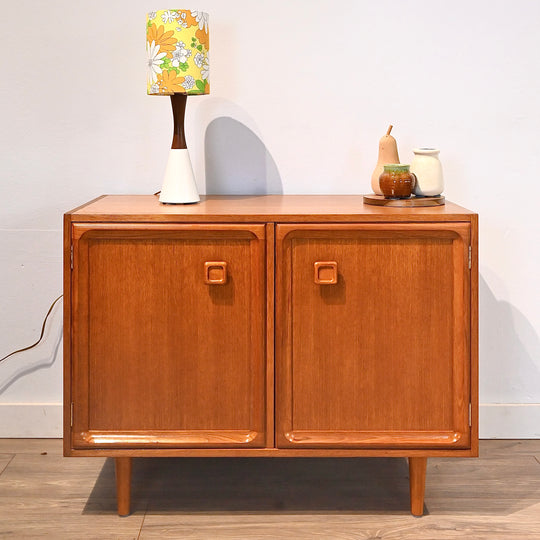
{"x":270,"y":326}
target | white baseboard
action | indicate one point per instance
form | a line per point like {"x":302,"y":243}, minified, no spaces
{"x":31,"y":420}
{"x":510,"y":421}
{"x":44,"y":420}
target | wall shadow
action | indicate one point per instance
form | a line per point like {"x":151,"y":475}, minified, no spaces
{"x":237,"y":161}
{"x":55,"y":334}
{"x":509,"y":352}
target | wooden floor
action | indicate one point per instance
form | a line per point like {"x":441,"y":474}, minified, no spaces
{"x":44,"y":495}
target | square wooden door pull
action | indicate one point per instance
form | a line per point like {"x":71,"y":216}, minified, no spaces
{"x":215,"y":272}
{"x":326,"y":273}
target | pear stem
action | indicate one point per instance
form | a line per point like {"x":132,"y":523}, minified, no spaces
{"x":389,"y":130}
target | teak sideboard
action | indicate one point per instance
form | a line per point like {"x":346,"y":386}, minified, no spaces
{"x":275,"y":326}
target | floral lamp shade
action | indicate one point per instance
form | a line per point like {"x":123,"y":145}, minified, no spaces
{"x":177,"y":47}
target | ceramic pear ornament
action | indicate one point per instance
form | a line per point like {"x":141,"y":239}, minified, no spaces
{"x":388,"y":153}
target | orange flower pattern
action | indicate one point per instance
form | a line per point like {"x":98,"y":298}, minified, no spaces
{"x":165,"y":40}
{"x":202,"y":36}
{"x":177,"y":43}
{"x":170,"y":83}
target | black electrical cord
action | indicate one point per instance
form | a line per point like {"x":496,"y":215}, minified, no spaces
{"x":40,"y":337}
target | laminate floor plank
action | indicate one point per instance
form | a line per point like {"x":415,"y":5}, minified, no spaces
{"x":494,"y":497}
{"x":48,"y":496}
{"x":4,"y":461}
{"x":501,"y":486}
{"x":31,"y":446}
{"x":283,"y":527}
{"x":332,"y":526}
{"x":493,"y":447}
{"x":489,"y":498}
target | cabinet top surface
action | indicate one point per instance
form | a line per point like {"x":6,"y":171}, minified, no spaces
{"x":259,"y":208}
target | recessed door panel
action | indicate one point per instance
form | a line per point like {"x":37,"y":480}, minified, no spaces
{"x":374,"y":353}
{"x":169,"y":345}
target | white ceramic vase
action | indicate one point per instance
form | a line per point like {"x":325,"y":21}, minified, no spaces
{"x":428,"y":170}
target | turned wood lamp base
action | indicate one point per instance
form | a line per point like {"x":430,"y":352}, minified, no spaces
{"x":417,"y":482}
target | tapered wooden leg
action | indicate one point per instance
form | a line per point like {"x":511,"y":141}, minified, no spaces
{"x":123,"y":485}
{"x":417,"y":484}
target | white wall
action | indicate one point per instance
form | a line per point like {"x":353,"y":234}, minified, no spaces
{"x":301,"y":92}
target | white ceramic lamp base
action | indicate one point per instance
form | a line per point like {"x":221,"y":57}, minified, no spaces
{"x":179,"y":185}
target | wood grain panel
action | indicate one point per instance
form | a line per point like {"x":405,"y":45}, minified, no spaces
{"x":371,"y":450}
{"x":382,"y":356}
{"x":474,"y":335}
{"x":259,"y":208}
{"x":158,"y":349}
{"x":67,"y":337}
{"x":270,"y":332}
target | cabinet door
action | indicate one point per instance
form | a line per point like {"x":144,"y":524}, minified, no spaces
{"x":168,"y":343}
{"x":373,"y":325}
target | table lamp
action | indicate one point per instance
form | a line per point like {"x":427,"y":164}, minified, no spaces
{"x":178,"y":66}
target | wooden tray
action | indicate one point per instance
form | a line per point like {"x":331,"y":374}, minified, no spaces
{"x":379,"y":200}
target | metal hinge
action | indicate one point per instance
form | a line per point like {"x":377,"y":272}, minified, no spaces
{"x":72,"y":256}
{"x":71,"y":420}
{"x":470,"y":414}
{"x":470,"y":257}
